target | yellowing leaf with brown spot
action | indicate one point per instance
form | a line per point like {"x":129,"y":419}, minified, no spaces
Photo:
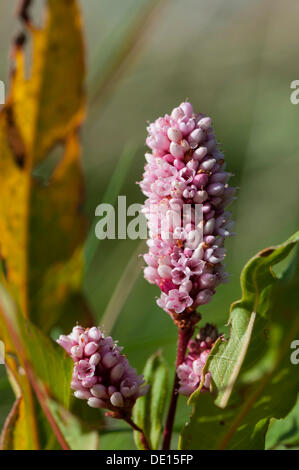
{"x":42,"y":228}
{"x":41,"y":225}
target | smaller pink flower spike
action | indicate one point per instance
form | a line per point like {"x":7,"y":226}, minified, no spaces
{"x":101,"y":374}
{"x":190,"y":372}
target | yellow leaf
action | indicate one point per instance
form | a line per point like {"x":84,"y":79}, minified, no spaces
{"x":41,"y":225}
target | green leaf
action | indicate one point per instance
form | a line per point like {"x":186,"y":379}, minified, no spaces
{"x":284,"y":431}
{"x":251,"y":371}
{"x":38,"y":361}
{"x":48,"y":360}
{"x":74,"y":433}
{"x":42,"y":227}
{"x":117,"y":439}
{"x":149,"y":410}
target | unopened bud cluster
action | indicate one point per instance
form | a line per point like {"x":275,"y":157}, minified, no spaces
{"x":101,"y":375}
{"x":185,"y":167}
{"x":190,"y":373}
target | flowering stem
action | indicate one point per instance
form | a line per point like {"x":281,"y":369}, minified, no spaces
{"x":184,"y":334}
{"x":137,"y":428}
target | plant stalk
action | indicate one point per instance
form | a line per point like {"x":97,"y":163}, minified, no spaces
{"x":137,"y":428}
{"x":184,"y":335}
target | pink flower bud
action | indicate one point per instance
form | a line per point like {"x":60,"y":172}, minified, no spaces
{"x":187,"y":108}
{"x":117,"y":399}
{"x":151,"y":274}
{"x":195,"y":137}
{"x":207,"y":165}
{"x":66,"y":343}
{"x":111,"y":390}
{"x":215,"y":189}
{"x":96,"y":403}
{"x":204,"y":297}
{"x":177,"y":114}
{"x":94,"y":334}
{"x":128,"y":387}
{"x":90,"y":348}
{"x":117,"y":372}
{"x":95,"y":359}
{"x":176,"y":150}
{"x":178,"y":164}
{"x":200,"y":180}
{"x":82,"y":395}
{"x":174,"y":134}
{"x":200,"y":153}
{"x":205,"y":123}
{"x":164,"y":271}
{"x":76,"y":352}
{"x":99,"y":391}
{"x":109,"y":360}
{"x":208,"y":280}
{"x":89,"y":382}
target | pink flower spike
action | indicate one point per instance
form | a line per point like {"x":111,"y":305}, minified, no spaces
{"x":189,"y":170}
{"x":190,"y":373}
{"x":102,"y":375}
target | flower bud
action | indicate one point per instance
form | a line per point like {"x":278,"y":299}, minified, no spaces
{"x":117,"y":399}
{"x":174,"y":134}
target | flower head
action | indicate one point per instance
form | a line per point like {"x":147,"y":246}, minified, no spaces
{"x":185,"y":167}
{"x":102,"y":375}
{"x":190,"y":373}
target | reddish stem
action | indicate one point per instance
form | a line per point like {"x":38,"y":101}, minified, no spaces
{"x":137,"y":428}
{"x":184,"y":335}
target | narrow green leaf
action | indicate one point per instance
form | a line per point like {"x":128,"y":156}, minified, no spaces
{"x":47,"y":360}
{"x":110,"y":197}
{"x":123,"y":289}
{"x":43,"y":364}
{"x":125,"y":51}
{"x":149,"y":410}
{"x":251,"y":371}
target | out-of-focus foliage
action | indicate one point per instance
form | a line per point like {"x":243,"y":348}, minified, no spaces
{"x":49,"y":370}
{"x":41,"y":224}
{"x":44,"y":364}
{"x":149,"y":410}
{"x":76,"y":436}
{"x":254,"y":379}
{"x":284,"y":432}
{"x":41,"y":221}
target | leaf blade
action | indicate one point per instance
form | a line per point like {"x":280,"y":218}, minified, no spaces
{"x":149,"y":410}
{"x":246,"y":387}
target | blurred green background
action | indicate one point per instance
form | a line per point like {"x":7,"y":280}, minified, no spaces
{"x":234,"y":60}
